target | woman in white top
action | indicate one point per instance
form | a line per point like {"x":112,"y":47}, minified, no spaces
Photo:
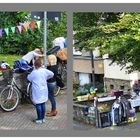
{"x":29,"y":58}
{"x":39,"y":77}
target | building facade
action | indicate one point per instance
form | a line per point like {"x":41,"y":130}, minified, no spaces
{"x":103,"y":71}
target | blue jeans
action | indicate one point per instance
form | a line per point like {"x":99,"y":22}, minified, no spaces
{"x":40,"y":108}
{"x":51,"y":88}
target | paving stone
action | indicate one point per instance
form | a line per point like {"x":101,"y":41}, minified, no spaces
{"x":22,"y":117}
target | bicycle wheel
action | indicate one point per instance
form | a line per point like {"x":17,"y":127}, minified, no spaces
{"x":29,"y":92}
{"x":57,"y":90}
{"x":64,"y":77}
{"x":9,"y":99}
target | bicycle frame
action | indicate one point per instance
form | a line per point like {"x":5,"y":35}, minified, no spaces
{"x":13,"y":85}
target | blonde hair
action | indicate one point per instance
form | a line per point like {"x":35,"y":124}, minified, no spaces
{"x":37,"y":50}
{"x":52,"y":59}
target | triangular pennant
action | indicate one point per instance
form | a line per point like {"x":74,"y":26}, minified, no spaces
{"x":6,"y":31}
{"x":25,"y":25}
{"x":38,"y":23}
{"x":13,"y":29}
{"x":32,"y":25}
{"x":19,"y":28}
{"x":0,"y":32}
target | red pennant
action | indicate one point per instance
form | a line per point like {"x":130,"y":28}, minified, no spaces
{"x":32,"y":25}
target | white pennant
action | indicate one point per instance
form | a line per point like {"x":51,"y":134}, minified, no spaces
{"x":38,"y":23}
{"x":7,"y":31}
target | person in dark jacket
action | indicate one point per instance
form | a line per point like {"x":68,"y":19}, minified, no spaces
{"x":52,"y":60}
{"x":136,"y":87}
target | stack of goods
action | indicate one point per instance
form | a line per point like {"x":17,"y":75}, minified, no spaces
{"x":132,"y":115}
{"x":82,"y":98}
{"x":82,"y":94}
{"x":92,"y":91}
{"x":91,"y":112}
{"x":122,"y":112}
{"x":104,"y":107}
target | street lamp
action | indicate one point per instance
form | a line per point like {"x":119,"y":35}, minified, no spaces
{"x":45,"y":38}
{"x":55,"y":16}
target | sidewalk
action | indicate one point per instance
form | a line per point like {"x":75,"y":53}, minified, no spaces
{"x":22,"y":117}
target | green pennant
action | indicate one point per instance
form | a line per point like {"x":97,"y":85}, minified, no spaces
{"x":6,"y":31}
{"x":13,"y":29}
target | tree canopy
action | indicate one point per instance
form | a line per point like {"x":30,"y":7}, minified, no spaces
{"x":16,"y":43}
{"x":117,"y":34}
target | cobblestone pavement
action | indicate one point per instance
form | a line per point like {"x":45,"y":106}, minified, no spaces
{"x":22,"y":117}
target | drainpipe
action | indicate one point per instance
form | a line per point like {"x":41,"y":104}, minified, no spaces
{"x":92,"y":66}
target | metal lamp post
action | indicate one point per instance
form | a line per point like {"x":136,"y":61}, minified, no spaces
{"x":55,"y":16}
{"x":45,"y":38}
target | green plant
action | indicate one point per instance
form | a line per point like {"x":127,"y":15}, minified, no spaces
{"x":76,"y":85}
{"x":87,"y":86}
{"x":16,"y":43}
{"x":116,"y":34}
{"x":100,"y":87}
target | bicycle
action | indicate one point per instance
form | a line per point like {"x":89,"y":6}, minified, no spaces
{"x":57,"y":91}
{"x":61,"y":77}
{"x":10,"y":95}
{"x":62,"y":70}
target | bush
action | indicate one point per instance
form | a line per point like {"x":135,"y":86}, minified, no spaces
{"x":76,"y":85}
{"x":100,"y":87}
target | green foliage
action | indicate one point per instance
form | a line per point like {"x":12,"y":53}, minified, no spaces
{"x":76,"y":85}
{"x":9,"y":58}
{"x":117,"y":34}
{"x":26,"y":41}
{"x":18,"y":43}
{"x":100,"y":87}
{"x":57,"y":29}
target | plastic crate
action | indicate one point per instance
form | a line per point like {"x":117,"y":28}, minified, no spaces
{"x":105,"y":119}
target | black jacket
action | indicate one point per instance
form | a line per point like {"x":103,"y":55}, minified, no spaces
{"x":54,"y":70}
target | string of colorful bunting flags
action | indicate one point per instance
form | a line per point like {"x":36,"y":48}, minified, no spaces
{"x":26,"y":26}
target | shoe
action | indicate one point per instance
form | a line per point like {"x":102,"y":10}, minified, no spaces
{"x":48,"y":112}
{"x":38,"y":121}
{"x":43,"y":120}
{"x":52,"y":113}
